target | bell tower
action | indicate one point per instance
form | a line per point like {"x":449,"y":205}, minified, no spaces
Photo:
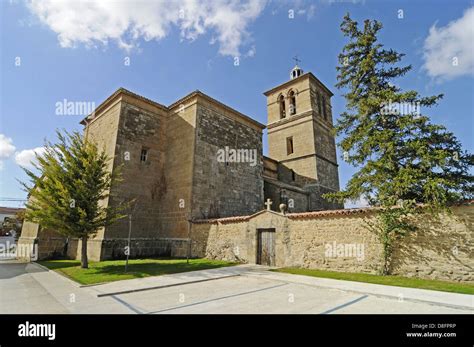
{"x":300,"y":134}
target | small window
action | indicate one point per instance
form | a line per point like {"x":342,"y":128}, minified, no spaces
{"x":289,"y":145}
{"x":293,"y":176}
{"x":144,"y":155}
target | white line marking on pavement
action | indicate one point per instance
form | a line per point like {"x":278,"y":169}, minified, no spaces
{"x":345,"y":305}
{"x":216,"y":299}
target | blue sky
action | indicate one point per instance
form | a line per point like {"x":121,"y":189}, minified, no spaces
{"x":77,"y":51}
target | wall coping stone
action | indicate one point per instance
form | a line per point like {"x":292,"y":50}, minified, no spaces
{"x":306,"y":215}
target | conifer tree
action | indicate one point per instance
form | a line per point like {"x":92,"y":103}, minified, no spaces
{"x":402,"y":158}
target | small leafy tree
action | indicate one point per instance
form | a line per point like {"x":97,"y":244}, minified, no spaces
{"x":403,"y":159}
{"x":68,"y":192}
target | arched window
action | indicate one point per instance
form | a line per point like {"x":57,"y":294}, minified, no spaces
{"x":292,"y":98}
{"x":281,"y":102}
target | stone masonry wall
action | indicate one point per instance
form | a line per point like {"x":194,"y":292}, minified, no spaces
{"x":316,"y":200}
{"x":49,"y":244}
{"x":277,"y":192}
{"x":442,"y":249}
{"x":226,"y":241}
{"x":175,"y":205}
{"x":309,"y":239}
{"x":223,"y":189}
{"x":141,"y":180}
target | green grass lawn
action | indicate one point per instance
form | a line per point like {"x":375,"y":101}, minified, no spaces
{"x":114,"y":270}
{"x":398,"y":281}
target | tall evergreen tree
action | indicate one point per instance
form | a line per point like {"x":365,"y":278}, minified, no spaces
{"x":401,"y":156}
{"x":67,"y":194}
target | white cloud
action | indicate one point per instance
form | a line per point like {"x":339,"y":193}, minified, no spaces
{"x":97,"y":22}
{"x":6,"y":147}
{"x":359,"y":203}
{"x":25,"y":157}
{"x":297,"y":8}
{"x":251,"y":52}
{"x":447,"y":45}
{"x":309,"y":11}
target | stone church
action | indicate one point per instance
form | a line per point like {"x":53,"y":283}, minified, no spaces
{"x":170,"y":164}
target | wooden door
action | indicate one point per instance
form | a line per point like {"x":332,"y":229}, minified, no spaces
{"x":266,"y":247}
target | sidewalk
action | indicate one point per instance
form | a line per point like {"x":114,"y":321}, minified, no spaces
{"x":69,"y":295}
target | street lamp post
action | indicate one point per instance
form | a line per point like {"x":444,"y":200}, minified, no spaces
{"x":129,"y":239}
{"x":188,"y":253}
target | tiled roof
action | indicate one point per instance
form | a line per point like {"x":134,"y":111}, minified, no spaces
{"x":234,"y":219}
{"x":300,"y":215}
{"x":465,"y":202}
{"x":305,"y":215}
{"x":342,"y":212}
{"x":10,"y":210}
{"x":350,"y":211}
{"x":225,"y":220}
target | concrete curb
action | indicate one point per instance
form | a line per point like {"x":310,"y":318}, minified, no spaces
{"x":57,"y":273}
{"x":40,"y":266}
{"x":95,"y":284}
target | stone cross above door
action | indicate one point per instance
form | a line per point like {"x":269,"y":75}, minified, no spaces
{"x":268,"y":204}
